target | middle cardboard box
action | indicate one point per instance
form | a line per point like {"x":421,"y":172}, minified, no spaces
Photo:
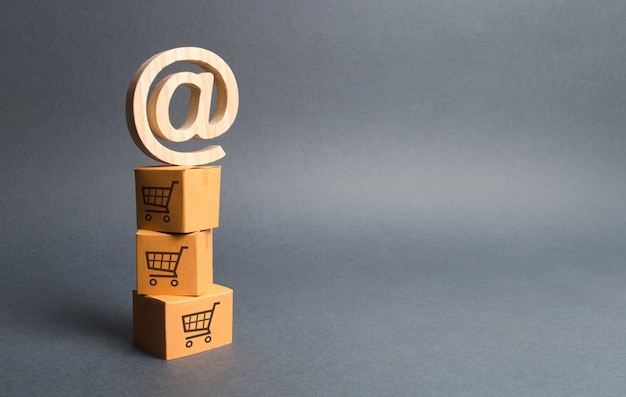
{"x":174,"y":264}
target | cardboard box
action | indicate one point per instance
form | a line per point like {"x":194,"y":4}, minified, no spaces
{"x":174,"y":264}
{"x":178,"y":199}
{"x":170,"y":327}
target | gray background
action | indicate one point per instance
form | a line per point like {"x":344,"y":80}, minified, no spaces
{"x":418,"y":198}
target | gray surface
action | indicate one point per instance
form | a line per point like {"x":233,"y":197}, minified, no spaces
{"x":419,"y":198}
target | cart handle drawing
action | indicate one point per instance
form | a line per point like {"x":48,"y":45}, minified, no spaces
{"x":198,"y":322}
{"x":158,"y":200}
{"x":166,"y":263}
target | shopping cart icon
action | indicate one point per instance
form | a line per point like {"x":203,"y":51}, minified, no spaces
{"x":198,"y":322}
{"x":158,"y":199}
{"x":165,"y":263}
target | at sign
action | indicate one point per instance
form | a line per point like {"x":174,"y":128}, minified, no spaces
{"x":147,"y":114}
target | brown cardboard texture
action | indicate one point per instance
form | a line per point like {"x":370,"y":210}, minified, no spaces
{"x":170,"y":326}
{"x":178,"y":199}
{"x":174,"y":264}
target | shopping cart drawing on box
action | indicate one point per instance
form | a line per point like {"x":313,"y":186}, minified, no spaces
{"x":165,"y":263}
{"x":157,"y":199}
{"x":198,"y":322}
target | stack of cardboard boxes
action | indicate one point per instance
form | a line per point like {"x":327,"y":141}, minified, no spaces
{"x":177,"y":309}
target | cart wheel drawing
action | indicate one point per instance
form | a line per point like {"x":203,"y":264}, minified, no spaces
{"x":148,"y":217}
{"x":166,"y":218}
{"x":153,"y":282}
{"x":206,"y":340}
{"x":174,"y":283}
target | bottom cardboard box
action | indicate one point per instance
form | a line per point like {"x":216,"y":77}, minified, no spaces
{"x":170,"y":326}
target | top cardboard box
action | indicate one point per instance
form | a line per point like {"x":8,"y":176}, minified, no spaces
{"x":178,"y":199}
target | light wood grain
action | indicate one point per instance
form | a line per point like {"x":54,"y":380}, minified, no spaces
{"x":148,"y":117}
